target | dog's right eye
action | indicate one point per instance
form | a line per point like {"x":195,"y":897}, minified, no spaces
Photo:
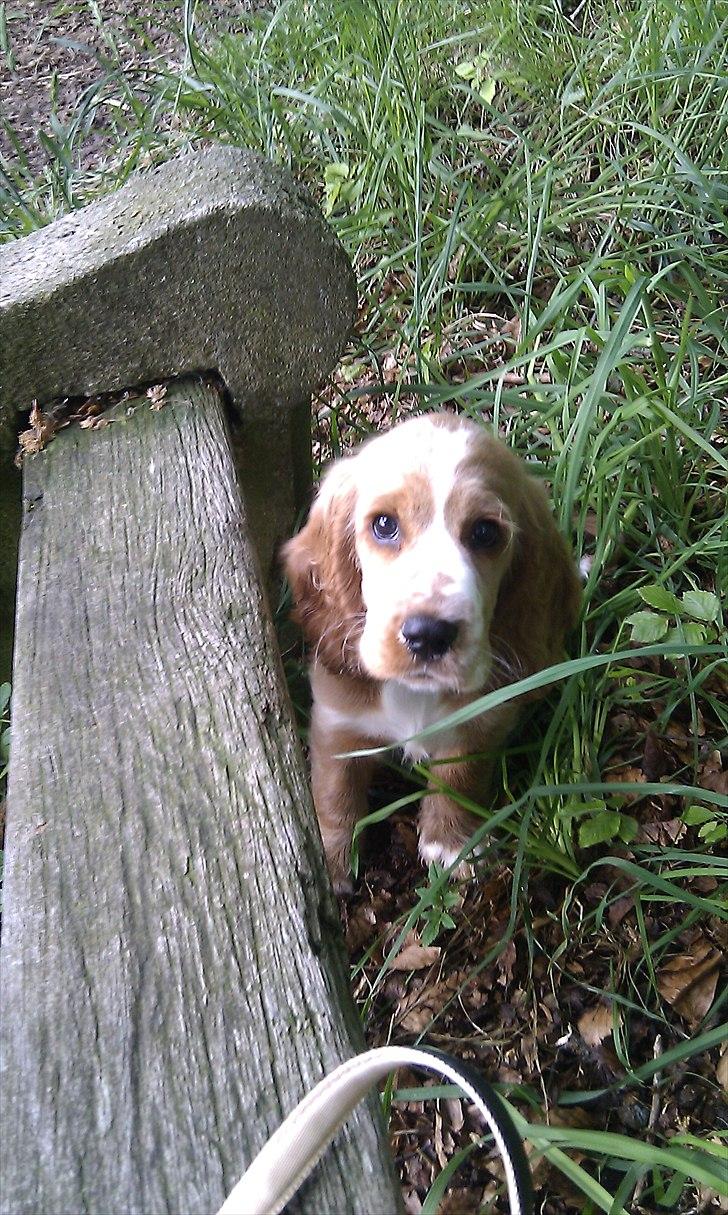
{"x":484,"y":534}
{"x":385,"y":527}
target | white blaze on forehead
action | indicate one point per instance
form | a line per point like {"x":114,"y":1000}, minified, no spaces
{"x":418,"y":446}
{"x":432,"y":562}
{"x":382,"y":464}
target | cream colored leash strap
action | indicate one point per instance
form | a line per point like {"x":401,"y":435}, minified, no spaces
{"x":299,"y":1143}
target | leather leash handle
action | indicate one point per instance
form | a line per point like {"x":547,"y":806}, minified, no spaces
{"x":294,"y":1150}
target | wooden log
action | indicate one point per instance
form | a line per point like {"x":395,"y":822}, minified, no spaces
{"x":173,"y":976}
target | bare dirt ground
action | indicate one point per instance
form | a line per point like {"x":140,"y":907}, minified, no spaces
{"x":55,"y":51}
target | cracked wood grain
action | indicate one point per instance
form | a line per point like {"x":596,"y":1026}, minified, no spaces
{"x":173,"y":974}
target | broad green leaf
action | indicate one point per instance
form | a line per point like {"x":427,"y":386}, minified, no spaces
{"x":701,"y":605}
{"x":713,"y":833}
{"x":466,"y":70}
{"x":575,"y":807}
{"x":600,"y":827}
{"x":660,"y":598}
{"x":690,"y":630}
{"x":338,"y":170}
{"x":336,"y":176}
{"x":628,"y":828}
{"x":486,"y":89}
{"x":697,"y":814}
{"x":647,"y":627}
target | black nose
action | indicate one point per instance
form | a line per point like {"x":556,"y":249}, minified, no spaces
{"x":427,"y":637}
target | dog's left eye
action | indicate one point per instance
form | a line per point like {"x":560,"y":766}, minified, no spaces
{"x":385,"y":527}
{"x":484,"y":534}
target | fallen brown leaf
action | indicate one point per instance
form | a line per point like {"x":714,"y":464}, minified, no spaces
{"x":422,"y":1001}
{"x":439,"y":1140}
{"x":619,"y":909}
{"x":359,"y":927}
{"x":156,"y":396}
{"x":712,"y":775}
{"x":512,"y":329}
{"x":89,"y":407}
{"x":454,"y":1109}
{"x":42,"y":428}
{"x":419,"y":1172}
{"x":412,"y":1204}
{"x":506,"y":962}
{"x":656,"y":759}
{"x":595,"y":1024}
{"x":390,"y":367}
{"x":454,"y":264}
{"x":688,"y":981}
{"x":415,"y":957}
{"x":704,"y":884}
{"x":460,"y":1202}
{"x":666,"y":833}
{"x":627,"y":774}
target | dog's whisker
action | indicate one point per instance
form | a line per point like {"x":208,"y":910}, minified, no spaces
{"x":356,"y":619}
{"x":506,"y":662}
{"x":356,"y":622}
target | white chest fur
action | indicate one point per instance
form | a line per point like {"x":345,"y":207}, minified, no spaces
{"x":401,"y":712}
{"x":405,"y":711}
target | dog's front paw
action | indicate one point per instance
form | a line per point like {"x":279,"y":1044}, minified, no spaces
{"x":445,"y":855}
{"x":338,"y":864}
{"x":436,"y":851}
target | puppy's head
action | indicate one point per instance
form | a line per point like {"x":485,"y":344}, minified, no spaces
{"x":430,"y":557}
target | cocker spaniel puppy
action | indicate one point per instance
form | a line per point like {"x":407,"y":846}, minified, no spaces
{"x":430,"y":571}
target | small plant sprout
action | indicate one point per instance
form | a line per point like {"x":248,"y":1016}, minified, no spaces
{"x":691,"y":617}
{"x":437,"y":900}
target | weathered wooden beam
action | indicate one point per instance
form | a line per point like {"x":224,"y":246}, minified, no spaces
{"x":173,"y":977}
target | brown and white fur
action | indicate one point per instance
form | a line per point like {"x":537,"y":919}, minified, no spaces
{"x":430,"y":571}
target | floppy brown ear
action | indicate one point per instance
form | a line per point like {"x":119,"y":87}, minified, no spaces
{"x":324,"y":575}
{"x":539,"y":600}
